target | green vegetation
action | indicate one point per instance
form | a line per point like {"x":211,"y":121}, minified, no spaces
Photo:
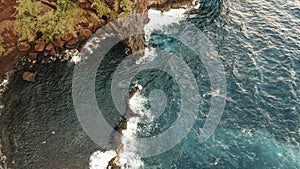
{"x":120,"y":8}
{"x":53,"y":23}
{"x":1,"y":47}
{"x":30,"y":20}
{"x":126,"y":6}
{"x":103,"y":9}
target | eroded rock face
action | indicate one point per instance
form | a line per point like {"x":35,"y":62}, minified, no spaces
{"x":28,"y":76}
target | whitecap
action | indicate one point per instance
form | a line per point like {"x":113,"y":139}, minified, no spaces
{"x":100,"y":160}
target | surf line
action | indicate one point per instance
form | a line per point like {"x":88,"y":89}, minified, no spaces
{"x":123,"y":152}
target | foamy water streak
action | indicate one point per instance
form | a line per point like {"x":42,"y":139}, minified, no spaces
{"x":100,"y":160}
{"x":3,"y":87}
{"x":128,"y":156}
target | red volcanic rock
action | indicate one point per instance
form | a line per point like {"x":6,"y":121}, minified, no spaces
{"x":72,"y":44}
{"x":39,"y":46}
{"x":85,"y":5}
{"x":67,"y":37}
{"x":52,"y":52}
{"x":28,"y":76}
{"x":33,"y":55}
{"x":23,"y":47}
{"x":91,"y":27}
{"x":76,"y":39}
{"x":49,"y":47}
{"x":86,"y":33}
{"x":59,"y":43}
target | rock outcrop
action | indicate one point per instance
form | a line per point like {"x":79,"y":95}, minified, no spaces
{"x":28,"y":76}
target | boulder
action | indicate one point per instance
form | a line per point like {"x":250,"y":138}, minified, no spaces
{"x":59,"y":43}
{"x":52,"y":52}
{"x":72,"y":44}
{"x":23,"y":47}
{"x":67,"y":37}
{"x":49,"y":47}
{"x":91,"y":27}
{"x":33,"y":55}
{"x":39,"y":46}
{"x":85,"y":5}
{"x":76,"y":39}
{"x":45,"y":53}
{"x":86,"y":33}
{"x":28,"y":76}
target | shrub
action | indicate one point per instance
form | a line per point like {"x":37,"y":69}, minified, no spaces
{"x":120,"y":8}
{"x":26,"y":19}
{"x":103,"y":9}
{"x":126,"y":6}
{"x":1,"y":47}
{"x":52,"y":24}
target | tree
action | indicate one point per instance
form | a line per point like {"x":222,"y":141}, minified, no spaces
{"x":52,"y":24}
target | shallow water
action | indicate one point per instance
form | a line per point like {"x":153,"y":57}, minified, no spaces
{"x":259,"y":45}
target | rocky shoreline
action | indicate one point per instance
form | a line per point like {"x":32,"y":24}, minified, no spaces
{"x":39,"y":51}
{"x":28,"y":55}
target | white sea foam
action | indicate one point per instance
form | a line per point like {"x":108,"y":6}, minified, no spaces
{"x":160,"y":19}
{"x":3,"y":87}
{"x":128,"y":156}
{"x":74,"y":55}
{"x":149,"y":55}
{"x":100,"y":160}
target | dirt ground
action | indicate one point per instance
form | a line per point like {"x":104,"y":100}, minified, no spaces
{"x":11,"y":56}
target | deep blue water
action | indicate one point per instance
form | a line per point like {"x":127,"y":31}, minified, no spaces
{"x":258,"y":42}
{"x":259,"y":45}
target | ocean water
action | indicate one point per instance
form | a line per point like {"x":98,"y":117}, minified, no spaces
{"x":258,"y":43}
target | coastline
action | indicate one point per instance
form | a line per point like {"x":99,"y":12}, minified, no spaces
{"x":25,"y":56}
{"x":40,"y":51}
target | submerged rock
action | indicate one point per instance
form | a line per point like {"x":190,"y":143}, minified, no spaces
{"x":33,"y":55}
{"x":28,"y":76}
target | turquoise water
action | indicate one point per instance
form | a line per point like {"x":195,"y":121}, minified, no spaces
{"x":259,"y":45}
{"x":258,"y":42}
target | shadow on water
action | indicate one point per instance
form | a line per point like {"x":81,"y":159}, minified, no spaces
{"x":39,"y":120}
{"x":42,"y":127}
